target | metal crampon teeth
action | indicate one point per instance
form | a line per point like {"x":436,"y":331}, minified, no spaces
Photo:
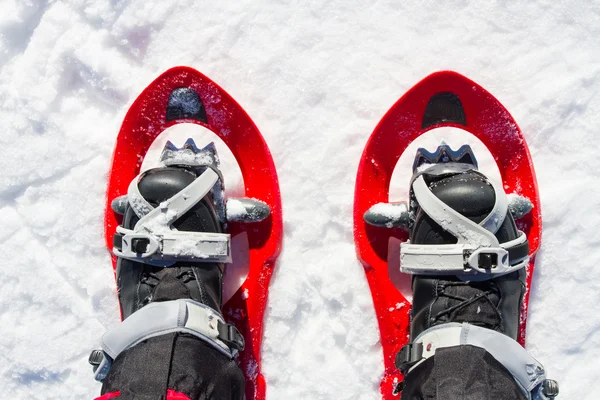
{"x":444,"y":154}
{"x":189,"y":154}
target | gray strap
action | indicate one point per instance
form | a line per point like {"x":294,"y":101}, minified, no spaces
{"x":163,"y":249}
{"x":477,"y":252}
{"x":463,"y":260}
{"x":155,"y":242}
{"x":525,"y":369}
{"x":465,"y":230}
{"x":160,"y":318}
{"x":496,"y":217}
{"x":245,"y":209}
{"x":137,"y":202}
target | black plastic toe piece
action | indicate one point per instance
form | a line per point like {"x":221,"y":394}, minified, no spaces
{"x":444,"y":107}
{"x":160,"y":184}
{"x":185,"y":103}
{"x":469,"y":193}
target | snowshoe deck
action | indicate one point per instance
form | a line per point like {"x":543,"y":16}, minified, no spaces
{"x":443,"y":99}
{"x":183,"y":95}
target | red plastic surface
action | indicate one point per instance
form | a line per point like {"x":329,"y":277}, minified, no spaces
{"x":144,"y":121}
{"x":171,"y":395}
{"x":108,"y":396}
{"x":489,"y":121}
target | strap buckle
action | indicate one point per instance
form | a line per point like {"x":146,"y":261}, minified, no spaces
{"x":229,"y":335}
{"x":137,"y":245}
{"x":101,"y":363}
{"x":488,"y":260}
{"x":164,"y":248}
{"x":408,"y":356}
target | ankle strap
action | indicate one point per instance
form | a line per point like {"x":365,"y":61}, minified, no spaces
{"x":160,"y":318}
{"x":526,"y":370}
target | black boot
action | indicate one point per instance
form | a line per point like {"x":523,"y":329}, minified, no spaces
{"x":182,"y":359}
{"x":140,"y":283}
{"x":468,"y":263}
{"x":493,"y":303}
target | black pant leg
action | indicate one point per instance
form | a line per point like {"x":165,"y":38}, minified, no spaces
{"x":461,"y":373}
{"x":175,"y":361}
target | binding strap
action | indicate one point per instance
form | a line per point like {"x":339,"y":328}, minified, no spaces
{"x":526,"y":370}
{"x":477,"y":250}
{"x":154,"y":241}
{"x":159,"y":318}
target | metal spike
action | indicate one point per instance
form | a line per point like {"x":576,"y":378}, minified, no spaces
{"x":190,"y":154}
{"x":191,"y":145}
{"x":444,"y":154}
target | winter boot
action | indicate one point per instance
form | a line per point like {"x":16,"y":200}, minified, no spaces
{"x":468,"y":261}
{"x":171,"y":250}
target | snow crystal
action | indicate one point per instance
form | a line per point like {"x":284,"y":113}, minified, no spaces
{"x":187,"y":157}
{"x":139,"y":204}
{"x":518,"y":205}
{"x":236,"y":210}
{"x":392,"y":211}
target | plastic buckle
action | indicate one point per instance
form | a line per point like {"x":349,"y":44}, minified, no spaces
{"x":101,"y":362}
{"x":95,"y":358}
{"x":488,"y":260}
{"x":137,"y":245}
{"x":229,"y":335}
{"x":550,"y":388}
{"x":398,"y":387}
{"x":408,"y":356}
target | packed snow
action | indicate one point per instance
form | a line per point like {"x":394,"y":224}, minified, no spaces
{"x":316,"y":77}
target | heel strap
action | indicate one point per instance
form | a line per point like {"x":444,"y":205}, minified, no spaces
{"x":160,"y":318}
{"x":526,"y":370}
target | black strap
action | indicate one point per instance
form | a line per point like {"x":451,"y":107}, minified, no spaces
{"x":518,"y":252}
{"x":408,"y":356}
{"x":229,"y":335}
{"x":117,"y":241}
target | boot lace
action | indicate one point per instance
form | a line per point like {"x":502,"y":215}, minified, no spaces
{"x":468,"y":308}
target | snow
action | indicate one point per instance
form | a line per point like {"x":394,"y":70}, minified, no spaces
{"x":394,"y":214}
{"x":247,"y":210}
{"x":236,"y":210}
{"x":187,"y":156}
{"x":518,"y":205}
{"x":315,"y":77}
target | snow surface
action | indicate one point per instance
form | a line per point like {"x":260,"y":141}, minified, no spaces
{"x":316,"y":77}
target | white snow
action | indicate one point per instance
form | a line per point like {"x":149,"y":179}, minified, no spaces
{"x":518,"y":205}
{"x":393,"y":212}
{"x":236,"y":210}
{"x":316,"y":77}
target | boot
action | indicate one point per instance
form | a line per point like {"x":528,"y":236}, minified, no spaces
{"x":171,"y":250}
{"x":468,"y":263}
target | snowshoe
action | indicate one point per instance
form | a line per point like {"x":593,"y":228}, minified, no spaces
{"x":170,"y":232}
{"x":459,"y":232}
